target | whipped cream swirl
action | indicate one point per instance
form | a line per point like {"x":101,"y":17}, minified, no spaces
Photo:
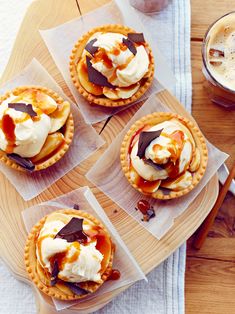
{"x":79,"y":262}
{"x":123,"y":69}
{"x":167,"y":158}
{"x":19,"y":132}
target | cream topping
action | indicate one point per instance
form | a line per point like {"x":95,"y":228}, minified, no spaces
{"x":146,"y":171}
{"x":172,"y":151}
{"x":135,"y":66}
{"x":29,"y":135}
{"x":123,"y":68}
{"x":82,"y":262}
{"x":86,"y":267}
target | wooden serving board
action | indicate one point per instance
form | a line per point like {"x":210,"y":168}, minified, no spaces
{"x":12,"y":234}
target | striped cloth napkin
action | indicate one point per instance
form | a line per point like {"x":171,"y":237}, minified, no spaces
{"x":164,"y":292}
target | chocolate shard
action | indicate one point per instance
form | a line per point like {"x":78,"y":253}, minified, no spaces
{"x":73,"y":231}
{"x":153,"y":164}
{"x":23,"y":162}
{"x":95,"y":76}
{"x":136,"y":37}
{"x":90,"y":48}
{"x":23,"y":108}
{"x":55,"y":272}
{"x":76,"y":206}
{"x":75,"y":288}
{"x":151,"y":213}
{"x":130,"y":45}
{"x":145,"y":139}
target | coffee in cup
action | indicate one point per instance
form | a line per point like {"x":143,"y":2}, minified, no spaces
{"x":218,"y":53}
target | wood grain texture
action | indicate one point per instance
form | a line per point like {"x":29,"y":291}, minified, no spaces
{"x":204,"y":229}
{"x":211,"y":285}
{"x":205,"y":13}
{"x":210,"y":271}
{"x":206,"y":268}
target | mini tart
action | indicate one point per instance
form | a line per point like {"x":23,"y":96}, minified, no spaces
{"x":41,"y":279}
{"x":153,"y":119}
{"x":67,"y":130}
{"x":102,"y":100}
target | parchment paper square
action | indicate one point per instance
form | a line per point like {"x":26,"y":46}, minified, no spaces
{"x":61,"y":39}
{"x":123,"y":260}
{"x":85,"y":140}
{"x":108,"y":176}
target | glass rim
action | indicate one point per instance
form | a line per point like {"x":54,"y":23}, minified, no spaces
{"x":204,"y":42}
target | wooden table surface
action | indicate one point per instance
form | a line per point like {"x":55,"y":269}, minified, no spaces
{"x":210,"y":272}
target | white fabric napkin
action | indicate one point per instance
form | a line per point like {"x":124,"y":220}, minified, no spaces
{"x":164,"y":293}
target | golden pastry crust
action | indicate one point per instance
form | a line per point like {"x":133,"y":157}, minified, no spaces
{"x":38,"y":276}
{"x":68,"y":131}
{"x":153,"y":119}
{"x":76,"y":57}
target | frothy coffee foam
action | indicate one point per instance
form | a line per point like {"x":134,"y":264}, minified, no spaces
{"x":221,"y":51}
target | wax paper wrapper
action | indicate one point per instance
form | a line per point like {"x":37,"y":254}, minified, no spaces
{"x":61,"y":39}
{"x":108,"y":176}
{"x":84,"y":143}
{"x":123,"y":260}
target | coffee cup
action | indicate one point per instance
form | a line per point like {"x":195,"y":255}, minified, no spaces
{"x":218,"y":55}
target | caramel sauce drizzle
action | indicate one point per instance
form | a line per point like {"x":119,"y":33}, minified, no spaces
{"x":8,"y":124}
{"x":147,"y":186}
{"x":172,"y":167}
{"x":8,"y":127}
{"x":114,"y":275}
{"x":101,"y":56}
{"x":103,"y":245}
{"x":62,"y":257}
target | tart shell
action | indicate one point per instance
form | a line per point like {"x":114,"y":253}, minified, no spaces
{"x":60,"y":290}
{"x":153,"y":119}
{"x":77,"y":54}
{"x":68,"y":132}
